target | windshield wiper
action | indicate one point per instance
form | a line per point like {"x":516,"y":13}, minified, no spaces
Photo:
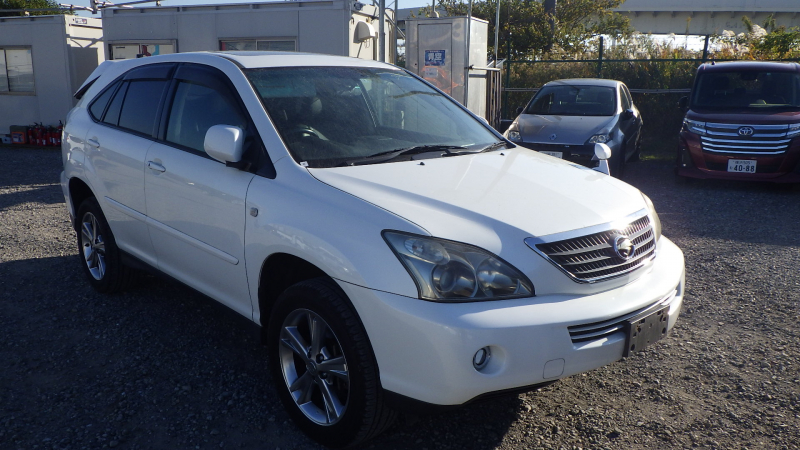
{"x":392,"y":154}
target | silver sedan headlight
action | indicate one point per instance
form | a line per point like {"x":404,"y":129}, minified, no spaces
{"x":514,"y":136}
{"x":448,"y":271}
{"x":599,"y":139}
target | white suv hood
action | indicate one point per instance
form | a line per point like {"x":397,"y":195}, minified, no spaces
{"x":473,"y":197}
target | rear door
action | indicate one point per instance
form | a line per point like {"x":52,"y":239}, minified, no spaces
{"x":195,"y":204}
{"x":125,"y":116}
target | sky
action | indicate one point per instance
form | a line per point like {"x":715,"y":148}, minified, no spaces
{"x":389,"y":3}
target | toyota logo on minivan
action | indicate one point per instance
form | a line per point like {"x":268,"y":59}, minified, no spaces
{"x":746,"y":131}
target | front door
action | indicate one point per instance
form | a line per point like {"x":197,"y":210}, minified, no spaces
{"x":195,"y":204}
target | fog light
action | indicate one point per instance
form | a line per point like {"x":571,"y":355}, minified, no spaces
{"x":481,"y":358}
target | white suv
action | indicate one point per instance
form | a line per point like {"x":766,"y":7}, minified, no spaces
{"x":396,"y":250}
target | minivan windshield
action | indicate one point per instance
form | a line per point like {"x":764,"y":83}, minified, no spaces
{"x":567,"y":100}
{"x":750,"y":90}
{"x":340,"y":116}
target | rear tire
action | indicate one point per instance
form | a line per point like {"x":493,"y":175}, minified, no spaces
{"x":323,"y":366}
{"x":100,"y":256}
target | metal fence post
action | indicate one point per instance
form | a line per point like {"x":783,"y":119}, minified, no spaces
{"x":507,"y":67}
{"x":600,"y":59}
{"x":705,"y":49}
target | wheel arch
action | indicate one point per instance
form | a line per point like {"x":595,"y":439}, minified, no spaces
{"x":78,"y":192}
{"x":278,"y":272}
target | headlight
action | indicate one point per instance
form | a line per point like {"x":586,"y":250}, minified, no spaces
{"x":653,"y":217}
{"x":599,"y":139}
{"x":514,"y":136}
{"x":453,"y":272}
{"x":695,"y":127}
{"x":794,"y":131}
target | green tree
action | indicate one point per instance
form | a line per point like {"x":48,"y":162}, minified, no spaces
{"x":29,"y":4}
{"x":525,"y":30}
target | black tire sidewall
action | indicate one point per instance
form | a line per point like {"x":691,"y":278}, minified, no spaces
{"x":326,"y":300}
{"x":111,"y":279}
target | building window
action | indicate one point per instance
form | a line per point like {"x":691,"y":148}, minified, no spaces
{"x":131,"y":51}
{"x":279,"y":45}
{"x":16,"y":70}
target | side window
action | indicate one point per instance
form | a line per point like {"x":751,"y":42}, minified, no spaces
{"x":197,"y":108}
{"x":99,"y":104}
{"x":112,"y":115}
{"x":141,"y":105}
{"x":626,"y":99}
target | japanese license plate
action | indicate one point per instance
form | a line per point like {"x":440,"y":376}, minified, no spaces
{"x":646,"y":330}
{"x":742,"y":165}
{"x":555,"y":154}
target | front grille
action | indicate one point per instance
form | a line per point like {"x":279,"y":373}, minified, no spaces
{"x":566,"y":149}
{"x":598,"y":330}
{"x":764,"y":139}
{"x":591,"y":258}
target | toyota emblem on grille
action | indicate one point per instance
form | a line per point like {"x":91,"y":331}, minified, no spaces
{"x":553,"y":137}
{"x":746,"y":131}
{"x":623,"y":247}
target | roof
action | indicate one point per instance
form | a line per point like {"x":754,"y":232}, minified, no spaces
{"x":750,"y":65}
{"x":585,"y":82}
{"x":291,"y":59}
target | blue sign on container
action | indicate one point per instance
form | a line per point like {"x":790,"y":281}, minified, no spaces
{"x":434,"y":57}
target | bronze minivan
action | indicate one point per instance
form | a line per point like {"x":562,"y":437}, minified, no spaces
{"x":742,"y":122}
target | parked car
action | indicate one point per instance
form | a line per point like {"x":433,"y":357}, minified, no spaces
{"x":566,"y":118}
{"x":395,"y":249}
{"x":742,"y":123}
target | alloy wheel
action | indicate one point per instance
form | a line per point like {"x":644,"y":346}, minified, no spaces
{"x":94,"y":247}
{"x":314,"y":367}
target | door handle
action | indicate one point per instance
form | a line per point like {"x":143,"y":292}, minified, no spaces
{"x":93,"y":142}
{"x":156,"y":166}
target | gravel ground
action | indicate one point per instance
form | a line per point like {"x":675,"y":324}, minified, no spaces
{"x":161,"y":367}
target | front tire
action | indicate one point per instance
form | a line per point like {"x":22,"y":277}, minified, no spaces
{"x":323,"y":366}
{"x":102,"y":260}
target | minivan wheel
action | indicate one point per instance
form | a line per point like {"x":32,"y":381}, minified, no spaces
{"x":323,"y":365}
{"x":98,"y":250}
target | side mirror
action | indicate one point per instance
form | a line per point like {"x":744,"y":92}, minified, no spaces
{"x":627,"y":114}
{"x":602,"y":152}
{"x":683,"y":103}
{"x":224,"y":143}
{"x":520,"y":109}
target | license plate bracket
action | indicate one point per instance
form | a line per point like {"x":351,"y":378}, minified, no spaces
{"x":553,"y":154}
{"x":742,"y":165}
{"x":645,"y":331}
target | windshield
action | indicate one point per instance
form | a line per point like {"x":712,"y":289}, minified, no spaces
{"x":337,"y":116}
{"x":563,"y":100}
{"x":747,"y":90}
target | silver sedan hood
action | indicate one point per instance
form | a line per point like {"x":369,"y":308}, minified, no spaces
{"x":569,"y":130}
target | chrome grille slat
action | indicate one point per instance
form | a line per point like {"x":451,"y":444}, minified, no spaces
{"x":591,"y":258}
{"x":765,"y":140}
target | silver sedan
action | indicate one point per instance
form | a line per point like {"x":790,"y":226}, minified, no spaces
{"x":566,"y":118}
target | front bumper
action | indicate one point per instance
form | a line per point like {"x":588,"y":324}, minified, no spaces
{"x":425,"y":350}
{"x":693,"y":162}
{"x":580,"y":154}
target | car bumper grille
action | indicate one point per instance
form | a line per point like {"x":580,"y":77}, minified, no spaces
{"x":591,"y":258}
{"x":758,"y":139}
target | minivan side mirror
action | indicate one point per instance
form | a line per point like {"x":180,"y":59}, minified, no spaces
{"x":683,"y":103}
{"x":627,"y":114}
{"x":224,"y":143}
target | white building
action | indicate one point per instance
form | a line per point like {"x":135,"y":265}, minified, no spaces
{"x":43,"y":61}
{"x":336,"y":27}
